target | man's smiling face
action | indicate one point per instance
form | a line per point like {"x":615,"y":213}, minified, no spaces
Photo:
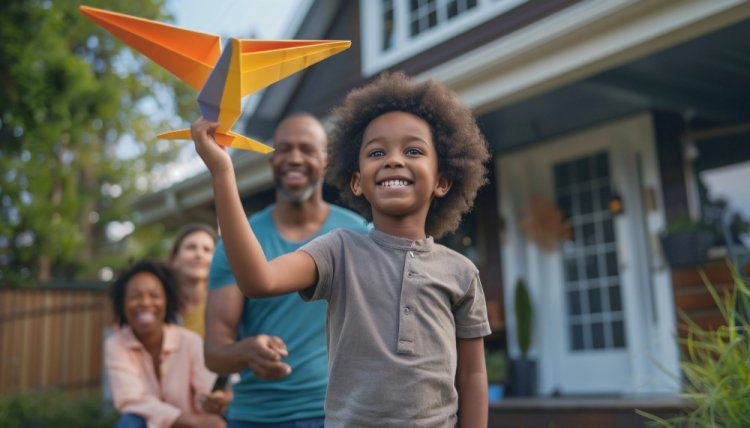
{"x":298,"y":161}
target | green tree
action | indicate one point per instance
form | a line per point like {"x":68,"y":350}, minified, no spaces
{"x":79,"y":112}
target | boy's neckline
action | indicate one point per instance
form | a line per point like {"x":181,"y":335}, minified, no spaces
{"x":401,"y":243}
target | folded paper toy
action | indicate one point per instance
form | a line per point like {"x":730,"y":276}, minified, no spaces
{"x":222,"y":77}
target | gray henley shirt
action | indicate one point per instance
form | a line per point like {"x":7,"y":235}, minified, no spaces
{"x":395,"y":309}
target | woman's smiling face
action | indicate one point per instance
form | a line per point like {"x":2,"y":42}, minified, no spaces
{"x":193,"y":257}
{"x":145,"y":303}
{"x":398,"y":166}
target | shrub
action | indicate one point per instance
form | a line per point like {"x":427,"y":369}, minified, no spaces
{"x":716,"y":372}
{"x":55,"y":409}
{"x":497,"y":366}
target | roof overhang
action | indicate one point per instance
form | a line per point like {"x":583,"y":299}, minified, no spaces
{"x":193,"y":199}
{"x":576,"y":43}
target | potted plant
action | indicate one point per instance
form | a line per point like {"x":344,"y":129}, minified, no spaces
{"x":686,"y":242}
{"x":497,"y":372}
{"x":523,"y":369}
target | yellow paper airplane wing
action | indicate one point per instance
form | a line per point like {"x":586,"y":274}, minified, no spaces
{"x":264,"y":62}
{"x":242,"y":142}
{"x":189,"y":55}
{"x":228,"y":139}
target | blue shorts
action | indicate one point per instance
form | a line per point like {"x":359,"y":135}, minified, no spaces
{"x":301,"y":423}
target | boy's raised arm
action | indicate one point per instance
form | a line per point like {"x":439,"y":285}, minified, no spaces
{"x":255,"y":276}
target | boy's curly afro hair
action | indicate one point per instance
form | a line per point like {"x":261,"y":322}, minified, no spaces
{"x":461,"y":148}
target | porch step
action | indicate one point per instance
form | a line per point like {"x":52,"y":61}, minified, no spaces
{"x":581,"y":411}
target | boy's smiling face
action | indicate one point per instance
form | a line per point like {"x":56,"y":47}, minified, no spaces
{"x":398,"y":170}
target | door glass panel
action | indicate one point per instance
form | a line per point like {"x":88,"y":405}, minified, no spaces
{"x":594,"y":312}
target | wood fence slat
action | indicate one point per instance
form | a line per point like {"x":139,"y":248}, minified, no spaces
{"x":51,"y":338}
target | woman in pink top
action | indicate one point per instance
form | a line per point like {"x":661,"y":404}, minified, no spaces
{"x":156,"y":367}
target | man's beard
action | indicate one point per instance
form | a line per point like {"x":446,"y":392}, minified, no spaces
{"x":297,"y":197}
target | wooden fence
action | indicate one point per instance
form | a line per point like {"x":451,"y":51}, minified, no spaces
{"x":51,"y":337}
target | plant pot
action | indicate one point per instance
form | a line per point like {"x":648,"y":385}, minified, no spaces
{"x":495,"y":392}
{"x":685,"y":249}
{"x":522,"y":377}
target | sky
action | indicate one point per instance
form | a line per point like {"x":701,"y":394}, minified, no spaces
{"x":265,"y":19}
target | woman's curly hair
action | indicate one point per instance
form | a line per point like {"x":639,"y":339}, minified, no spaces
{"x":461,"y":148}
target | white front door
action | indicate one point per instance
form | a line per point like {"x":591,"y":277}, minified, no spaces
{"x":596,"y":306}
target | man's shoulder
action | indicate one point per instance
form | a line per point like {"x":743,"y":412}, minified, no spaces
{"x":262,"y":216}
{"x":343,"y":217}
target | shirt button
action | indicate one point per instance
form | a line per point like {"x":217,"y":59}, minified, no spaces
{"x":407,"y":310}
{"x":411,"y":253}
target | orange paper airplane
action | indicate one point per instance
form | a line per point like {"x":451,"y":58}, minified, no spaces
{"x":222,"y":77}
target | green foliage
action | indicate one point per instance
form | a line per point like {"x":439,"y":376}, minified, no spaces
{"x":523,"y":317}
{"x":687,"y":224}
{"x":78,"y":119}
{"x":497,"y":366}
{"x":54,"y":409}
{"x":715,"y":365}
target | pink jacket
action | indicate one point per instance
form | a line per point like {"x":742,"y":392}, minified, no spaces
{"x":135,"y":387}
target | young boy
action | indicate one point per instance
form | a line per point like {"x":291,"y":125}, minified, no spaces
{"x":407,"y":316}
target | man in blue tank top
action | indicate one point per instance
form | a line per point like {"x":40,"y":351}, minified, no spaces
{"x":278,"y":344}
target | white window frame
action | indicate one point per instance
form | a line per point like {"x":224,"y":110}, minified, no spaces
{"x":375,"y":59}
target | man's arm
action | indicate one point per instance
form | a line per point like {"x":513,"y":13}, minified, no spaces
{"x":226,"y":354}
{"x":471,"y":382}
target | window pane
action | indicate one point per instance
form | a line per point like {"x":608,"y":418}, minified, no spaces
{"x":597,"y":335}
{"x":562,"y":175}
{"x":414,"y":28}
{"x":595,"y":300}
{"x":589,"y":234}
{"x":388,"y":25}
{"x":605,"y":194}
{"x":432,"y":20}
{"x":576,"y":336}
{"x":609,"y":231}
{"x":592,"y":267}
{"x":618,"y":334}
{"x":725,"y":198}
{"x":615,"y":302}
{"x":611,"y":260}
{"x":423,"y":15}
{"x":587,"y":202}
{"x":571,"y":270}
{"x":565,"y":202}
{"x":452,"y":8}
{"x":583,"y":170}
{"x":601,"y":167}
{"x":574,"y":302}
